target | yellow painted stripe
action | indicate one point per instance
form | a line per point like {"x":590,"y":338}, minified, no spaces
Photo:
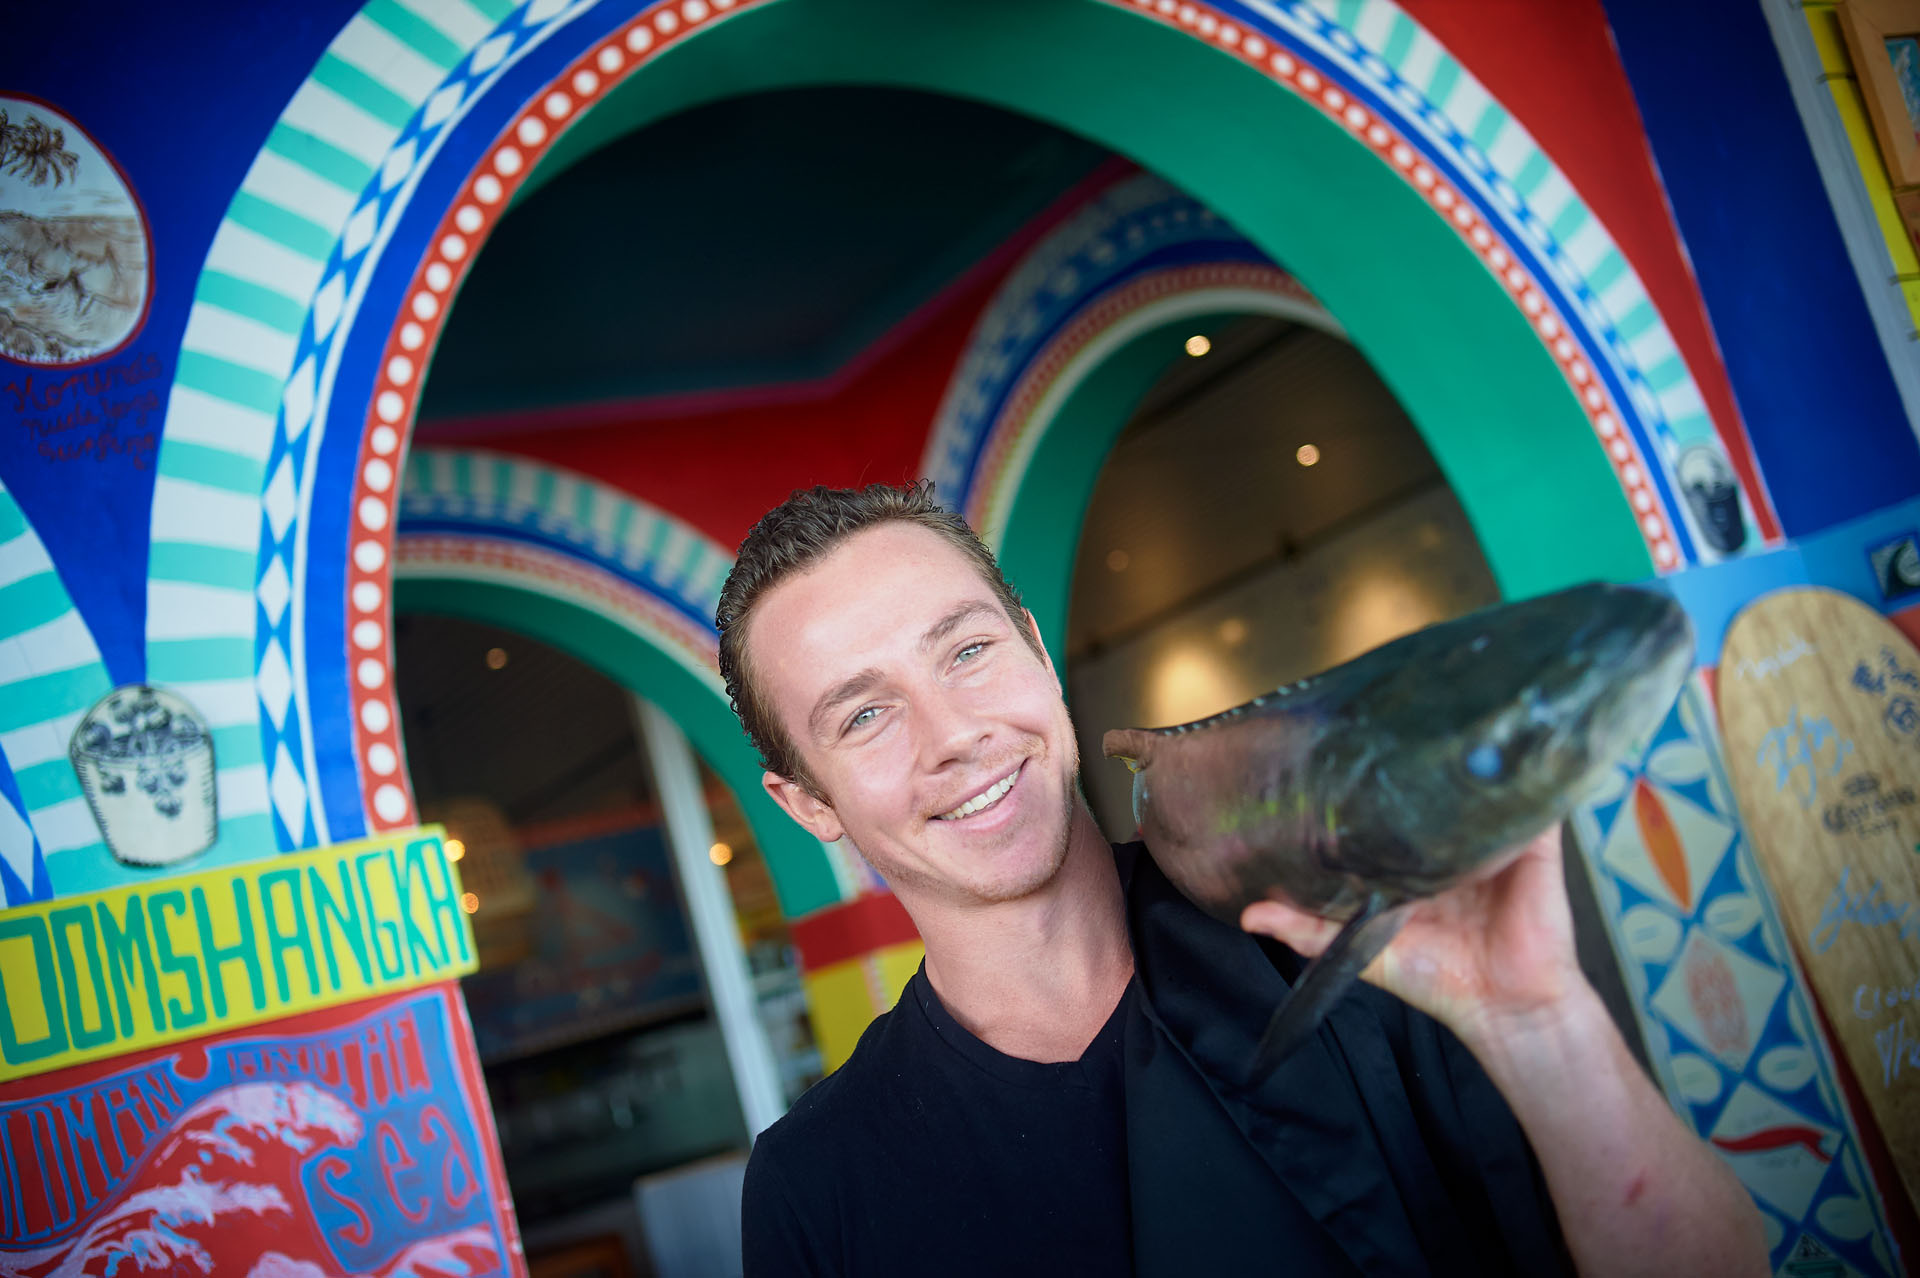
{"x":1866,"y":148}
{"x":1828,"y":40}
{"x":841,"y":997}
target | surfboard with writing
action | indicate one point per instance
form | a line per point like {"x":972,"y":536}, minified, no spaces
{"x":1819,"y":701}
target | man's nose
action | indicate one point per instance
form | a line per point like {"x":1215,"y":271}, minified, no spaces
{"x":952,"y":730}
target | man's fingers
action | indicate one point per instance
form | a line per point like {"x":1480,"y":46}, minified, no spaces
{"x":1306,"y":934}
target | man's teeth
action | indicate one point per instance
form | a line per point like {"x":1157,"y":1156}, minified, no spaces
{"x":985,"y":799}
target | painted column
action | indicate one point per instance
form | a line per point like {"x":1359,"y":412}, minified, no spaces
{"x":756,"y":1076}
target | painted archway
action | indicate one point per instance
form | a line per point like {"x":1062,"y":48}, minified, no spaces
{"x":1344,"y":147}
{"x":1063,"y":351}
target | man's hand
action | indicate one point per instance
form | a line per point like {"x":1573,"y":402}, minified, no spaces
{"x":1483,"y":959}
{"x":1493,"y":960}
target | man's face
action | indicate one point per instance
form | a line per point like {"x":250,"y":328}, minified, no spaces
{"x":937,"y":738}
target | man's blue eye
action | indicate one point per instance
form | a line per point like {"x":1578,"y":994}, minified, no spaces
{"x":967,"y":653}
{"x":860,"y":720}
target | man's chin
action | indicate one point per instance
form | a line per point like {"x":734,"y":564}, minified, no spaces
{"x":1010,"y":878}
{"x":1019,"y":887}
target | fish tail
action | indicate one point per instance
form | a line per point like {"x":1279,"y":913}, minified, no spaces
{"x":1324,"y":981}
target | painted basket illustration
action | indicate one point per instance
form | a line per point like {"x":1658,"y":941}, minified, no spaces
{"x":145,"y":759}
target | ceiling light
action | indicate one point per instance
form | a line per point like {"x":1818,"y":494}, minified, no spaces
{"x":496,"y":658}
{"x":720,"y":854}
{"x":1198,"y":345}
{"x":455,"y":849}
{"x":1233,"y":632}
{"x":469,"y":902}
{"x":1118,"y":560}
{"x":1306,"y":454}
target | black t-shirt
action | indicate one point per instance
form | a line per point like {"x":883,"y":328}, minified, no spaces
{"x":931,"y":1153}
{"x":1378,"y":1147}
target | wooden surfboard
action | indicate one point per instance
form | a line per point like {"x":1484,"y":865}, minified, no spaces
{"x":1819,"y":700}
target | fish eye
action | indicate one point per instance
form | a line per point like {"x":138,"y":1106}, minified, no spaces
{"x":1486,"y":762}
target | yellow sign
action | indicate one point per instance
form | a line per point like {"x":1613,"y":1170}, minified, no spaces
{"x":93,"y":976}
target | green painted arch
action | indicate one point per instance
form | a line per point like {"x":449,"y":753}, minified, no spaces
{"x":803,"y":877}
{"x":1038,"y":538}
{"x":1440,"y":329}
{"x":1042,"y":534}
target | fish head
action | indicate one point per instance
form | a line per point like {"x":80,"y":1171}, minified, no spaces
{"x":1483,"y":731}
{"x":1415,"y":766}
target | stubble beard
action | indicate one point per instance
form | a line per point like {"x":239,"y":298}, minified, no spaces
{"x":1032,"y":875}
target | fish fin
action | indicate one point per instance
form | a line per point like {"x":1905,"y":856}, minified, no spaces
{"x":1324,"y":981}
{"x":1129,"y":746}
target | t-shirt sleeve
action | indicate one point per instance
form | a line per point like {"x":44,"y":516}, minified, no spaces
{"x":774,"y":1237}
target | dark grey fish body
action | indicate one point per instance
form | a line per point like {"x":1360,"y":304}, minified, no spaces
{"x":1413,"y":768}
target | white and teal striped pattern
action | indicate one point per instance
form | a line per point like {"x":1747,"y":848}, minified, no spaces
{"x":287,"y":671}
{"x":474,"y":491}
{"x":1450,"y":112}
{"x":225,"y":579}
{"x":50,"y":675}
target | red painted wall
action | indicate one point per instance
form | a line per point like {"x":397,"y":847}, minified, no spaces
{"x":868,"y":424}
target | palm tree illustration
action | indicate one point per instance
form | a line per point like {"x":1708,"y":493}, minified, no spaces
{"x":35,"y":152}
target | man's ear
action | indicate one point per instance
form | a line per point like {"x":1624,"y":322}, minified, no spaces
{"x":802,"y":805}
{"x":1041,"y":644}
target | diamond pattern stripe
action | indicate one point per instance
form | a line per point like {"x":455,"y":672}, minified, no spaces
{"x":354,"y":126}
{"x":1722,"y":1009}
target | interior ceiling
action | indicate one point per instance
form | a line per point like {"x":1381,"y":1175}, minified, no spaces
{"x":1204,"y":487}
{"x":756,"y":240}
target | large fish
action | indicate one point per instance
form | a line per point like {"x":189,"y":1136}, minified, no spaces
{"x":1425,"y":763}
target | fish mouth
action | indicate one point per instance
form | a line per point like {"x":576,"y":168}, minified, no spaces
{"x":1644,"y":676}
{"x":984,"y":799}
{"x":1662,"y":657}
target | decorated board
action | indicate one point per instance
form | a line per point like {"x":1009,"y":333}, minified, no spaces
{"x":1820,"y":711}
{"x":351,"y":1140}
{"x":100,"y":975}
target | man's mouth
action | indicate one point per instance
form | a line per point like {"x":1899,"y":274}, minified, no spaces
{"x":983,"y":800}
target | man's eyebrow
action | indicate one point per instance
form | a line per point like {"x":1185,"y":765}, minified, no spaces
{"x":845,"y":690}
{"x":858,"y":684}
{"x":954,"y":620}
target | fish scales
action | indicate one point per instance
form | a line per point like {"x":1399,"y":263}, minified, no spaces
{"x":1418,"y":766}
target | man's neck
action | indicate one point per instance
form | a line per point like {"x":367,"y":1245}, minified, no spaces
{"x":1037,"y":978}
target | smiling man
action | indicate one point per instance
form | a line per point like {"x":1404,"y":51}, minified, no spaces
{"x":1060,"y":1089}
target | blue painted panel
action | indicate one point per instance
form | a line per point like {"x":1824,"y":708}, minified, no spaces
{"x":1806,"y":366}
{"x":183,"y":161}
